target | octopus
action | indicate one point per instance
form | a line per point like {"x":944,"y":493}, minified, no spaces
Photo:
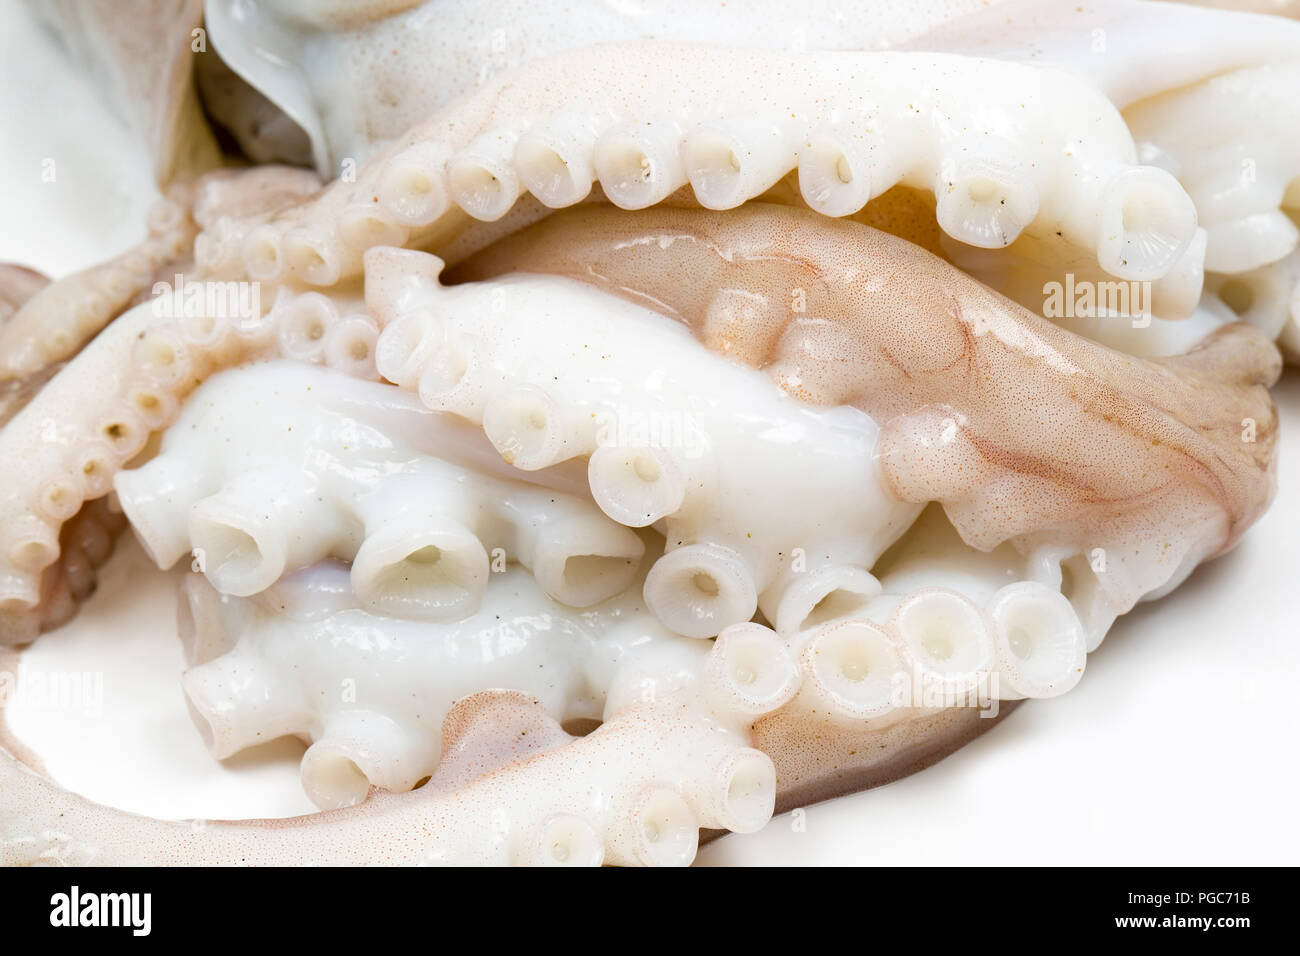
{"x":649,"y":425}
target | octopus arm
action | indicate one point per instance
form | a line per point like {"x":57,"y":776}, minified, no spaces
{"x":1004,"y":148}
{"x":1023,"y":430}
{"x":357,"y":78}
{"x":512,"y":787}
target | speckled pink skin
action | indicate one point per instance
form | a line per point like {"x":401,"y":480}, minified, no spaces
{"x":915,"y":342}
{"x":891,"y":372}
{"x":428,"y":826}
{"x":1030,"y":437}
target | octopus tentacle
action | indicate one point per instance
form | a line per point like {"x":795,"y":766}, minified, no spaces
{"x":1026,"y":270}
{"x":662,"y":699}
{"x":138,"y":369}
{"x":230,"y":205}
{"x":258,"y":671}
{"x":1021,"y":161}
{"x":680,"y":424}
{"x":200,"y":219}
{"x":645,"y":806}
{"x":17,"y":285}
{"x":952,"y":640}
{"x":1038,"y":638}
{"x":1202,"y":91}
{"x":674,"y":436}
{"x":282,"y":494}
{"x":405,"y":60}
{"x":55,"y":323}
{"x":1219,"y":138}
{"x":937,"y":363}
{"x":46,"y":599}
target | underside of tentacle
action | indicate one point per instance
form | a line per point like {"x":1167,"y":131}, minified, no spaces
{"x":648,"y":436}
{"x":939,"y":369}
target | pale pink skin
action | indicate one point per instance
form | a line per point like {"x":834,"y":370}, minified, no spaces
{"x":938,"y":337}
{"x":483,"y":733}
{"x":1206,"y":467}
{"x":922,"y":346}
{"x":912,"y":332}
{"x":17,"y":285}
{"x":53,"y":324}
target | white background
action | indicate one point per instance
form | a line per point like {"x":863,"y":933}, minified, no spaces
{"x":1179,"y":746}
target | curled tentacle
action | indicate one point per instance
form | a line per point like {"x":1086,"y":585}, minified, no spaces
{"x":1220,"y":137}
{"x":687,"y":453}
{"x":228,"y":208}
{"x":17,"y":285}
{"x":261,"y":669}
{"x":76,"y":462}
{"x":1014,"y":162}
{"x":940,"y":362}
{"x":53,"y":324}
{"x":311,"y":464}
{"x":139,"y":370}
